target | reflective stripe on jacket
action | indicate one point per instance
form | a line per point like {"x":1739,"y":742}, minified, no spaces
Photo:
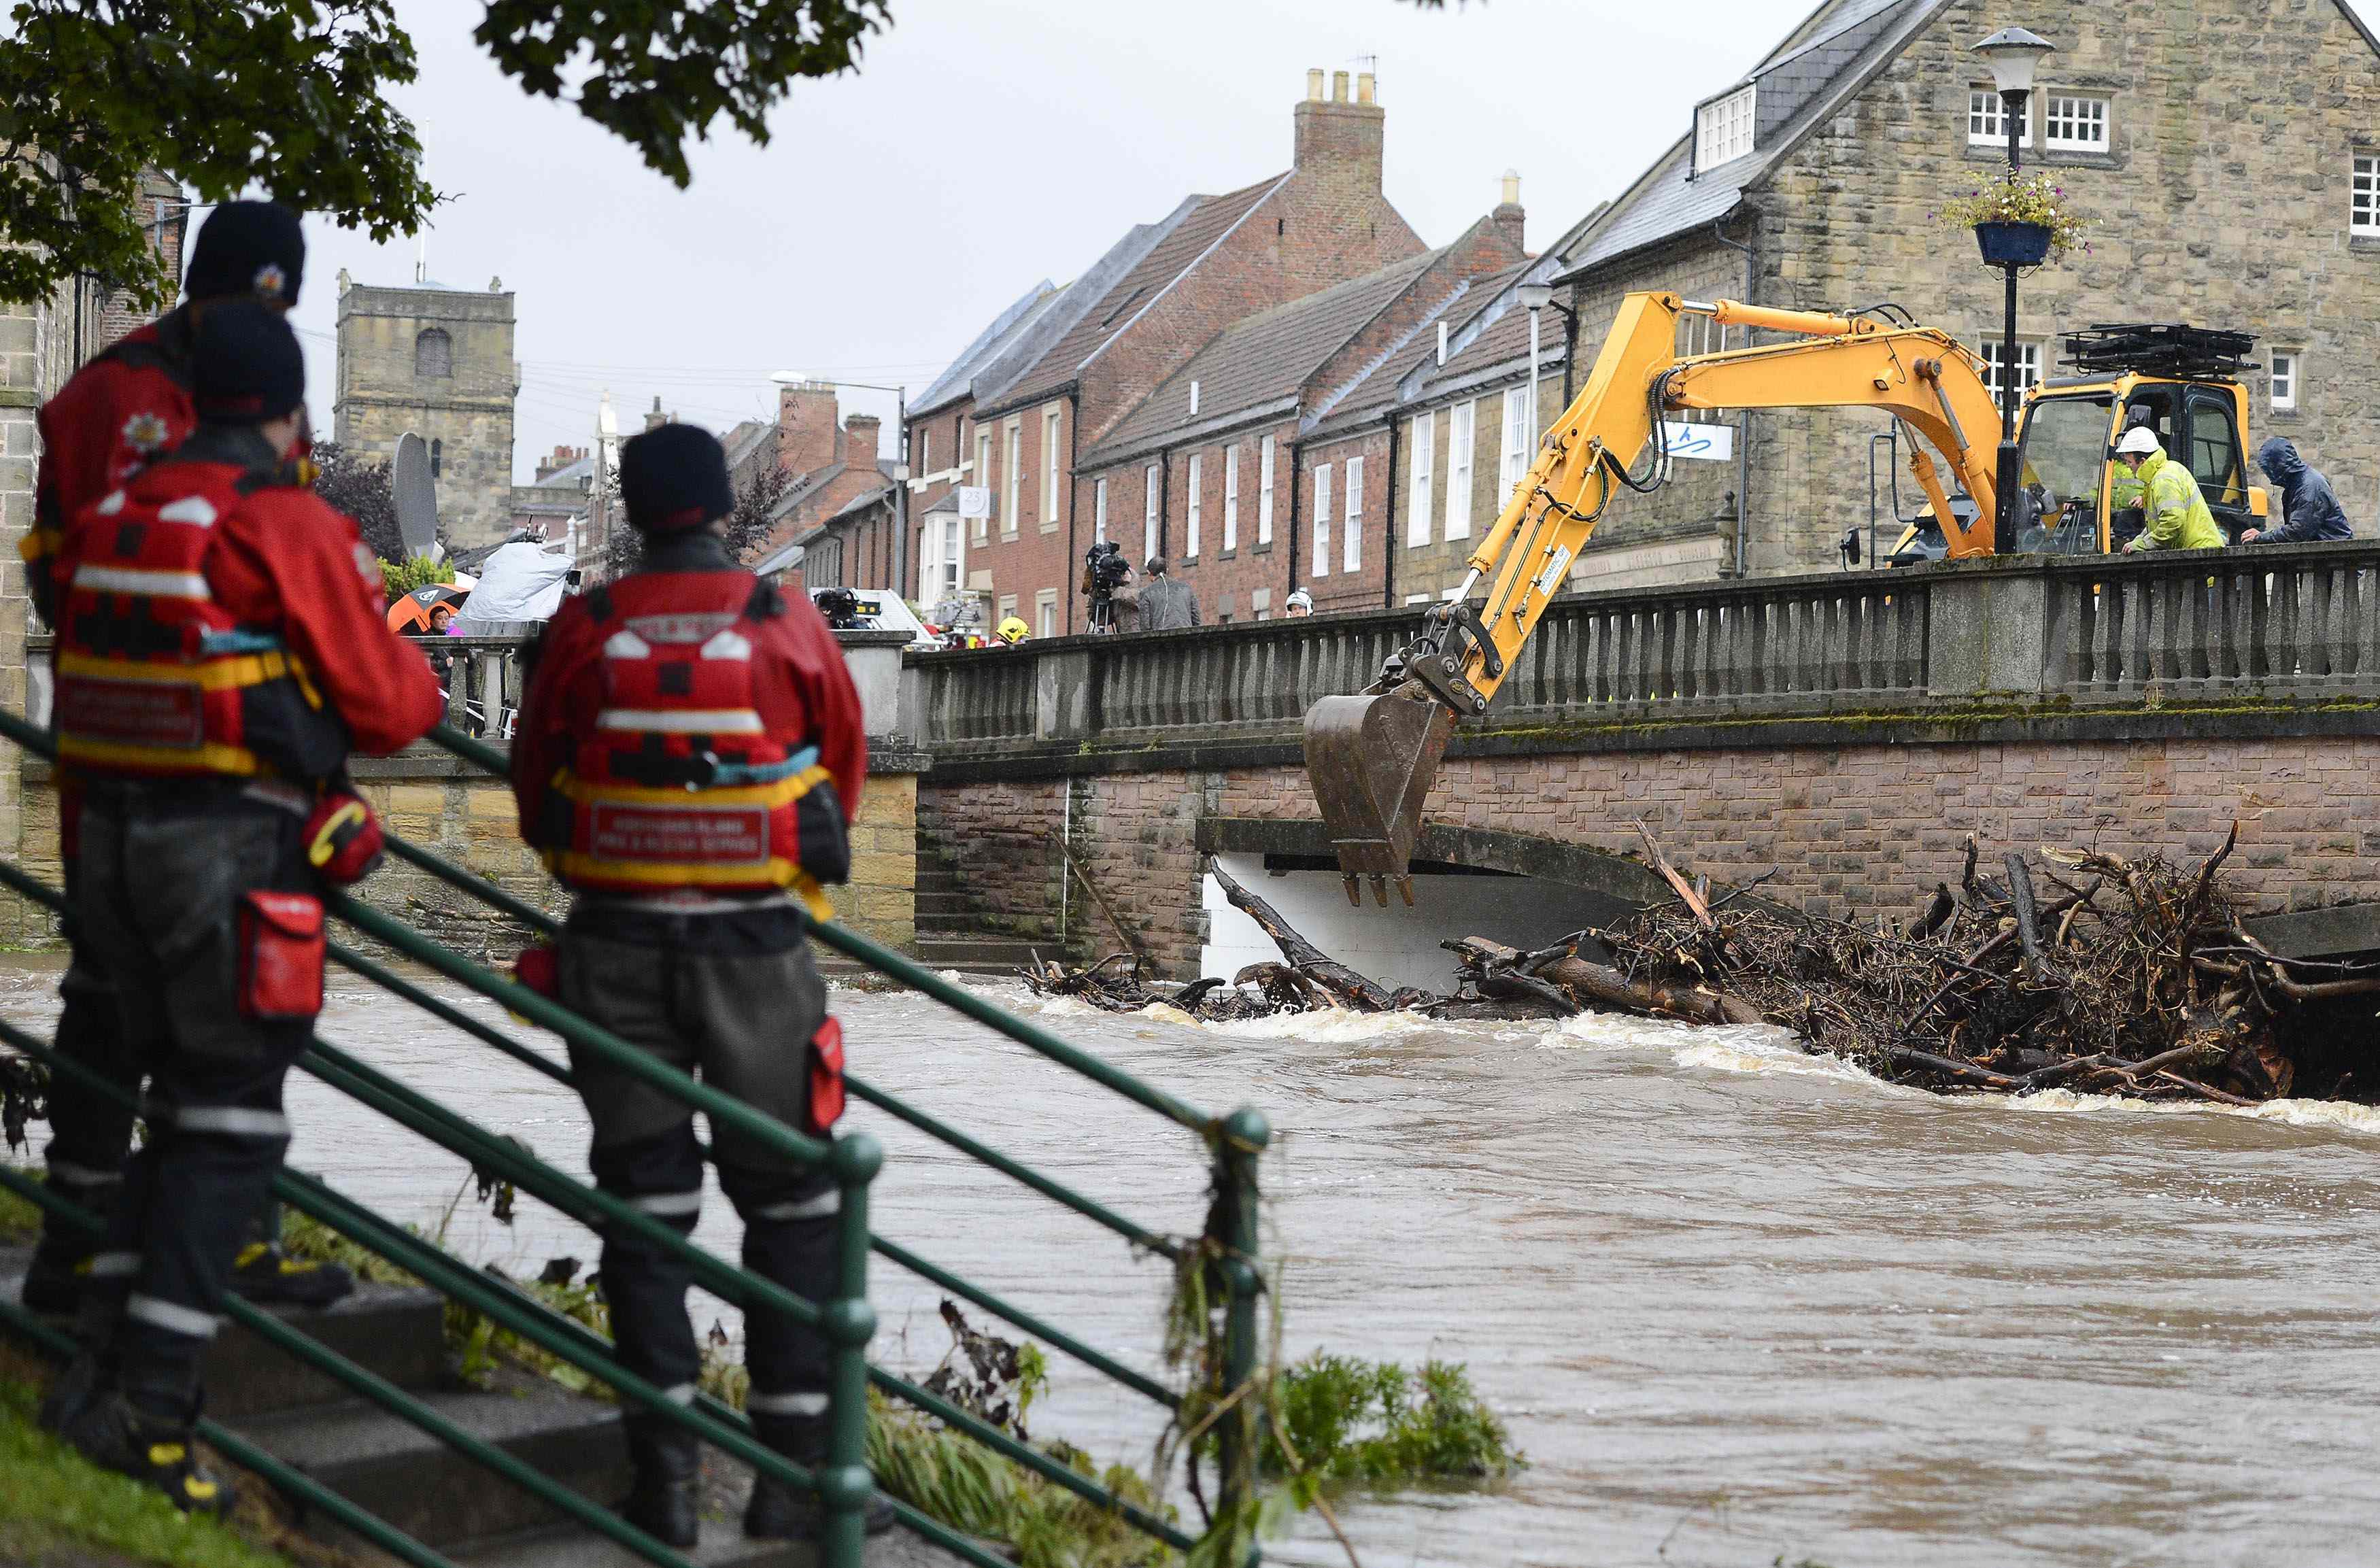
{"x":2178,"y":517}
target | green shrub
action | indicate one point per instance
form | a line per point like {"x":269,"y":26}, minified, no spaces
{"x":398,"y":579}
{"x":1374,"y":1422}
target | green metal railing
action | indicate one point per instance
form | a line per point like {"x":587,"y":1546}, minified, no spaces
{"x":1234,"y":1144}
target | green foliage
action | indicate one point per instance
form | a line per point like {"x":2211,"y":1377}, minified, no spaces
{"x":1373,"y":1422}
{"x":360,"y":488}
{"x":19,"y":1219}
{"x":398,"y":579}
{"x":302,"y":1235}
{"x":283,"y":96}
{"x":2014,"y":197}
{"x":654,"y":75}
{"x":55,"y":1505}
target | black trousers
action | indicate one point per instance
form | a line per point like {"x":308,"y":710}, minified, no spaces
{"x":164,"y":871}
{"x":90,"y":1131}
{"x":686,"y":990}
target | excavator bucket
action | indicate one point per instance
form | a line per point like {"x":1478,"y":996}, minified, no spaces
{"x":1371,"y":760}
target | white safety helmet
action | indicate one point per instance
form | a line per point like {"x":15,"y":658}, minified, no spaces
{"x":2139,"y":442}
{"x":1300,"y":600}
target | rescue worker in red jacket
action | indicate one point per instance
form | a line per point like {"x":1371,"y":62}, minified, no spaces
{"x":222,"y":646}
{"x":689,"y":753}
{"x":125,"y":409}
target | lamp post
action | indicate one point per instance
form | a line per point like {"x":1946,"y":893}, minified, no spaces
{"x":2012,"y":53}
{"x":1534,"y":297}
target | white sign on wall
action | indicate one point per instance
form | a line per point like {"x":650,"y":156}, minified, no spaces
{"x":975,"y":501}
{"x":1708,"y":444}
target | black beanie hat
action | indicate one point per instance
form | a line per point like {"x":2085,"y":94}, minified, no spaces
{"x":248,"y":368}
{"x":248,"y":248}
{"x":675,"y":477}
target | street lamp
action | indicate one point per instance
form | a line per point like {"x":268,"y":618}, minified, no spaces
{"x":1534,"y":297}
{"x":2013,"y":54}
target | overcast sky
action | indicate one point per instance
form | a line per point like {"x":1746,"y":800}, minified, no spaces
{"x":984,"y":145}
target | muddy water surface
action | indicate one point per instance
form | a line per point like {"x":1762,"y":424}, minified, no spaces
{"x":1736,"y":1305}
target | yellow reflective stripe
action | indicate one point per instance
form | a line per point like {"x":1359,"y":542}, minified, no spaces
{"x":207,"y":674}
{"x":210,"y":757}
{"x":777,"y":871}
{"x":784,"y":792}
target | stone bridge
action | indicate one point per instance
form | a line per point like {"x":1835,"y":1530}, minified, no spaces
{"x":1844,"y":732}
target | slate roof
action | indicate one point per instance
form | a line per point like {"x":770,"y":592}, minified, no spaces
{"x":1835,"y":49}
{"x":955,"y":381}
{"x":1264,"y":359}
{"x":804,"y":487}
{"x":1190,"y":235}
{"x":861,"y":503}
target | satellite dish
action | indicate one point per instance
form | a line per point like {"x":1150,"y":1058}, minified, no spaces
{"x":417,"y":496}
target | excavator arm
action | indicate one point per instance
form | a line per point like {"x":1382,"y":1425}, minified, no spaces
{"x":1372,"y":758}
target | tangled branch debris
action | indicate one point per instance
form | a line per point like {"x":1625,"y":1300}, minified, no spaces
{"x":2076,"y":970}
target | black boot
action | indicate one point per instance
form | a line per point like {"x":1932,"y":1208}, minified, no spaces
{"x":266,"y":1275}
{"x":665,"y":1501}
{"x":782,"y":1513}
{"x":113,"y":1433}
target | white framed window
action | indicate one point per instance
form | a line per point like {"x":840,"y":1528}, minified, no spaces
{"x":1260,"y":604}
{"x":2363,"y":216}
{"x":1460,"y":422}
{"x":1045,"y":612}
{"x":1231,"y":498}
{"x":1351,"y":533}
{"x":1322,"y":520}
{"x":1985,"y":126}
{"x":2075,"y":124}
{"x":1152,"y":481}
{"x":1050,"y":418}
{"x":924,"y":455}
{"x":1424,"y":474}
{"x":1516,"y":438}
{"x":982,"y":478}
{"x":1099,"y":510}
{"x":1190,"y":524}
{"x":2284,"y":384}
{"x":1264,"y":490}
{"x":1007,"y":607}
{"x":1012,"y":475}
{"x":1413,"y":599}
{"x":1723,"y":129}
{"x":2028,"y":365}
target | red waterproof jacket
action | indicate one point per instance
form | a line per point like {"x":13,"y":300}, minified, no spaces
{"x":210,"y":575}
{"x":127,"y":408}
{"x":689,"y":727}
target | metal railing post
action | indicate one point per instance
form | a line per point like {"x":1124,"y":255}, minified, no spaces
{"x":843,"y":1481}
{"x":1232,"y":1227}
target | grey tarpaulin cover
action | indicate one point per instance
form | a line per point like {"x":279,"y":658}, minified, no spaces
{"x":522,"y":581}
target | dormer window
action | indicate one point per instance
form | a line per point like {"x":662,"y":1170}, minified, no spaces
{"x":1723,"y":129}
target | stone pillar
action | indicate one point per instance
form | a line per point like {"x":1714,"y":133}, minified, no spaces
{"x":1987,"y":629}
{"x":881,"y":900}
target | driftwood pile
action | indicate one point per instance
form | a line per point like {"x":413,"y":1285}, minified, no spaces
{"x":2074,"y":970}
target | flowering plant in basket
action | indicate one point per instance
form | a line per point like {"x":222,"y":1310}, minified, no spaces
{"x":2022,"y":199}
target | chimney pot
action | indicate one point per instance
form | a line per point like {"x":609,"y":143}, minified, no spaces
{"x":1364,"y":87}
{"x":1512,"y":187}
{"x":1337,"y":87}
{"x":1314,"y":85}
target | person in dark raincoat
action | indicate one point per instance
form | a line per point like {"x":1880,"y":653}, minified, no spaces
{"x":2310,"y":509}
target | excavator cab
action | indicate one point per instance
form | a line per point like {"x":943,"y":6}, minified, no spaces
{"x":2180,"y":383}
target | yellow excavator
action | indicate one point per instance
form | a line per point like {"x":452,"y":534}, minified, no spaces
{"x":1372,"y":757}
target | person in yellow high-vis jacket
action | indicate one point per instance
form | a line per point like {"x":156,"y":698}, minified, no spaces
{"x":2176,"y":512}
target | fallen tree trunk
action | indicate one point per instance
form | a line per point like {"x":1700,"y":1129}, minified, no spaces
{"x":1362,"y":994}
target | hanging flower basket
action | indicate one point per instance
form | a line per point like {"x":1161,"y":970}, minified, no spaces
{"x":2020,"y":220}
{"x":2014,"y":245}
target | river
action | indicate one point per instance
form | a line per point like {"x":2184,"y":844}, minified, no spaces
{"x":1738,"y":1306}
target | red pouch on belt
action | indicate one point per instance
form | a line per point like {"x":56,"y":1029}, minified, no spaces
{"x":537,"y":969}
{"x":280,"y":956}
{"x":826,"y":1075}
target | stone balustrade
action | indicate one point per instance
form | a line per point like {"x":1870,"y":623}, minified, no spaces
{"x":2280,"y":625}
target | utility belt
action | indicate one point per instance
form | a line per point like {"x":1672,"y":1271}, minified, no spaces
{"x":241,"y":706}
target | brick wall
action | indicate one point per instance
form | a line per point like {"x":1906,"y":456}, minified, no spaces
{"x":1858,"y":832}
{"x":161,"y":212}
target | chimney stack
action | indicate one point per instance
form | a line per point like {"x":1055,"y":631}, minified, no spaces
{"x":1340,"y":136}
{"x":1508,"y":217}
{"x":859,"y":440}
{"x":807,"y":437}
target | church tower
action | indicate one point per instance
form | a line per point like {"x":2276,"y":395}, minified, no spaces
{"x":437,"y":361}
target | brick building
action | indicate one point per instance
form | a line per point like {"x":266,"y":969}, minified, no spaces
{"x":1204,"y":470}
{"x":436,"y":361}
{"x":165,"y":214}
{"x":1071,"y":364}
{"x":1811,"y":183}
{"x":828,"y":462}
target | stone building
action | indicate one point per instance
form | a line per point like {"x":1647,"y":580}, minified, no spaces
{"x":436,"y":361}
{"x":1060,"y":369}
{"x":1812,"y":183}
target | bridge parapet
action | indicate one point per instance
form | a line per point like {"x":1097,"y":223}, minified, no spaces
{"x":2282,"y":626}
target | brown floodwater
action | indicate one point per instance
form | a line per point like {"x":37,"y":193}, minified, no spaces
{"x":1738,"y":1306}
